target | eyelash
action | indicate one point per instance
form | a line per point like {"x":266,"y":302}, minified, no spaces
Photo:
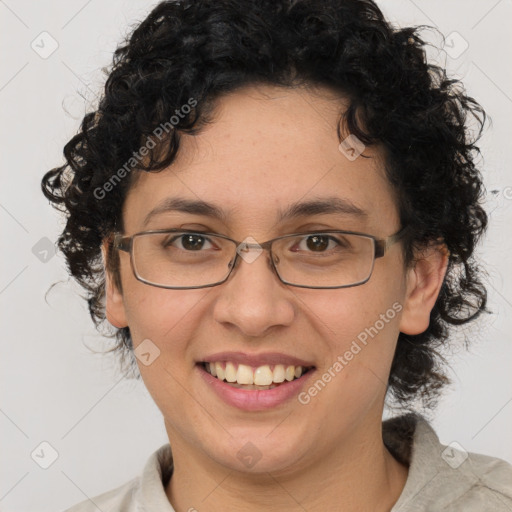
{"x":203,"y":234}
{"x":180,"y":237}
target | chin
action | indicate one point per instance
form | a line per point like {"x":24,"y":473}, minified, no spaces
{"x":258,"y":451}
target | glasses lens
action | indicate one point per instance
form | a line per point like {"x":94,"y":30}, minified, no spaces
{"x":181,"y":259}
{"x":187,"y":260}
{"x":324,"y":260}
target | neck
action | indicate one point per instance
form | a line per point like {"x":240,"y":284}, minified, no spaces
{"x":358,"y":474}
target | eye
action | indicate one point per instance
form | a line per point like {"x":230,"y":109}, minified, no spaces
{"x":319,"y":243}
{"x":189,"y":242}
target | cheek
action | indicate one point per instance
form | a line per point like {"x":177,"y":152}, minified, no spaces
{"x":357,"y":330}
{"x":166,"y":317}
{"x":360,"y":324}
{"x":169,"y":319}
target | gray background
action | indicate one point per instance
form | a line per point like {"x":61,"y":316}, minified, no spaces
{"x":53,"y":388}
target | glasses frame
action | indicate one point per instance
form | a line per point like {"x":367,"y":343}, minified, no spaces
{"x":381,"y":245}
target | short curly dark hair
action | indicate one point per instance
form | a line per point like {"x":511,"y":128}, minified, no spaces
{"x":424,"y":121}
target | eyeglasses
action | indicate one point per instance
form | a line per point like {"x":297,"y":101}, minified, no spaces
{"x":178,"y":259}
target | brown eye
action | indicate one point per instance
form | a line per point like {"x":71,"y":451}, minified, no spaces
{"x":192,"y":242}
{"x":317,"y":243}
{"x":321,"y":244}
{"x":188,"y":242}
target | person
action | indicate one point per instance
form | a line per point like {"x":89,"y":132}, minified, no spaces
{"x":276,"y":205}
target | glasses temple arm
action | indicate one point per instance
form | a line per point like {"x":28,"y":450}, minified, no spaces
{"x":122,"y":243}
{"x":382,"y":245}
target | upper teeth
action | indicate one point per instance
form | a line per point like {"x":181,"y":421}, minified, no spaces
{"x":261,"y":376}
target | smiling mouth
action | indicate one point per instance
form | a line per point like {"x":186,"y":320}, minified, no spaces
{"x":254,"y":378}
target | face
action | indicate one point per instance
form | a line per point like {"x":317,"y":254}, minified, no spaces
{"x":268,"y":149}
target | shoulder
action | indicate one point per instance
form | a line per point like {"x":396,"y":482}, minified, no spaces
{"x":446,"y":477}
{"x":120,"y":499}
{"x":487,"y":481}
{"x":143,"y":493}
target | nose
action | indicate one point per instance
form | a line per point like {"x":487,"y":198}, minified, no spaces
{"x":253,"y":299}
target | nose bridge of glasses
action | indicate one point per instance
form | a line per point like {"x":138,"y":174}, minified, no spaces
{"x":249,"y":251}
{"x":250,"y":248}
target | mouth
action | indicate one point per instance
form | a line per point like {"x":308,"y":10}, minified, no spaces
{"x":255,"y":381}
{"x":261,"y":378}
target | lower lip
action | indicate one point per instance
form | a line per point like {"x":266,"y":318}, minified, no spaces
{"x":253,"y":399}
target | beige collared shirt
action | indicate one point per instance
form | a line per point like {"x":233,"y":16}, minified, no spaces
{"x":441,"y":478}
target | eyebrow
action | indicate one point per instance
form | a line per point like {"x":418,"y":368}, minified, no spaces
{"x":329,"y":205}
{"x":179,"y":204}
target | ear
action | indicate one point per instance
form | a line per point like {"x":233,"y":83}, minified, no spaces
{"x":424,"y":282}
{"x":114,"y":303}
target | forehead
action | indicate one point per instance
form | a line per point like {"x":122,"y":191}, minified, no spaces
{"x":267,"y":149}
